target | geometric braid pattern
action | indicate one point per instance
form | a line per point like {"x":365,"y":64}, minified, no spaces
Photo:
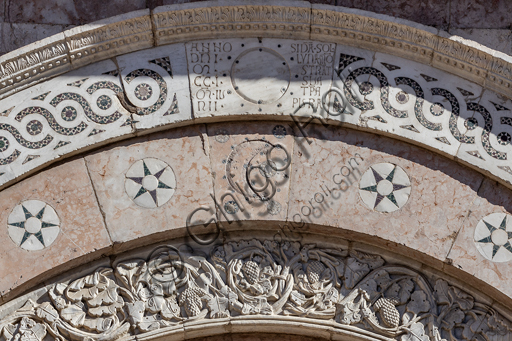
{"x":65,"y":121}
{"x":161,"y":84}
{"x":366,"y":88}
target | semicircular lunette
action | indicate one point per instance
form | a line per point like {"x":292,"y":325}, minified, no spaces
{"x":263,"y":279}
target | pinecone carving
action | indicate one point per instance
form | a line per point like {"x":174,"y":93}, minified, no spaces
{"x":251,"y":271}
{"x":314,"y":270}
{"x":190,"y":298}
{"x":388,"y":312}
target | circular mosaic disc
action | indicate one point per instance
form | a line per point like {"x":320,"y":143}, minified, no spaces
{"x":385,"y":187}
{"x":150,"y":182}
{"x":33,"y":225}
{"x":493,"y":234}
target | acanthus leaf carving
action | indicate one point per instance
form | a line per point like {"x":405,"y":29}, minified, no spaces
{"x":253,"y":277}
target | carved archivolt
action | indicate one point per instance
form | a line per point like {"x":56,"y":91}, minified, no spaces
{"x":260,"y":278}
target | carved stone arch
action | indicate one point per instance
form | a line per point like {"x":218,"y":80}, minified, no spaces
{"x":351,"y":170}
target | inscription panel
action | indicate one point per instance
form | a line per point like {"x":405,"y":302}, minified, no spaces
{"x":252,"y":76}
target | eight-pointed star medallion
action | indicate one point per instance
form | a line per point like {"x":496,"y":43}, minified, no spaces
{"x":385,"y":187}
{"x":150,"y":182}
{"x":33,"y":225}
{"x":492,"y":237}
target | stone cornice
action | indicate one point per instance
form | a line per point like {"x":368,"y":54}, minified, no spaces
{"x":288,"y":19}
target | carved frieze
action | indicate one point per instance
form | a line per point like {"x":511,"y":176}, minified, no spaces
{"x":354,"y":290}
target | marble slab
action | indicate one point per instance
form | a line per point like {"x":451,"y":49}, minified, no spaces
{"x":60,"y":117}
{"x":479,"y":251}
{"x":156,"y":84}
{"x":151,"y":185}
{"x":370,"y":185}
{"x":49,"y":221}
{"x":257,"y":77}
{"x":252,"y":167}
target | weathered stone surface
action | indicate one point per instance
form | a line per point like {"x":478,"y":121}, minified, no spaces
{"x":81,"y":233}
{"x":16,"y":35}
{"x":480,"y":14}
{"x":134,"y":208}
{"x":337,"y":104}
{"x":64,"y":12}
{"x":497,"y":39}
{"x":245,"y":284}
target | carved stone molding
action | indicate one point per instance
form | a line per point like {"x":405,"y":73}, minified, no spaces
{"x":293,"y":20}
{"x":237,"y":282}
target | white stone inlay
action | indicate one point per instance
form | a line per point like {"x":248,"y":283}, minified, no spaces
{"x":385,"y":187}
{"x":33,"y":225}
{"x":150,"y":182}
{"x":492,"y":237}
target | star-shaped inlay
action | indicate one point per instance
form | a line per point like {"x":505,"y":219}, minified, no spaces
{"x":385,"y":187}
{"x":492,"y":237}
{"x":150,"y":182}
{"x":33,"y":225}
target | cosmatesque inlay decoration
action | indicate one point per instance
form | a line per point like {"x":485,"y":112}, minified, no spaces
{"x":150,"y":182}
{"x":385,"y":187}
{"x":493,"y":234}
{"x":33,"y":225}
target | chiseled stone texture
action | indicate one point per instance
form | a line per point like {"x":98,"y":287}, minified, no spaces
{"x":184,"y":150}
{"x":16,"y":35}
{"x":66,"y":188}
{"x":440,"y":197}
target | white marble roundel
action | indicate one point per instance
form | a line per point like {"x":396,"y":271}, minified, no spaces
{"x":150,"y":182}
{"x":33,"y":225}
{"x":492,"y":237}
{"x":385,"y":187}
{"x":247,"y":70}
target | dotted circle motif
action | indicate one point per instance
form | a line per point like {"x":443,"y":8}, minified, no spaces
{"x":471,"y":123}
{"x":33,"y":225}
{"x":279,"y":131}
{"x":69,"y":114}
{"x":104,"y":102}
{"x":34,"y":127}
{"x":365,"y":88}
{"x":504,"y":138}
{"x":436,"y":109}
{"x":402,"y":97}
{"x":4,"y":144}
{"x":143,"y":91}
